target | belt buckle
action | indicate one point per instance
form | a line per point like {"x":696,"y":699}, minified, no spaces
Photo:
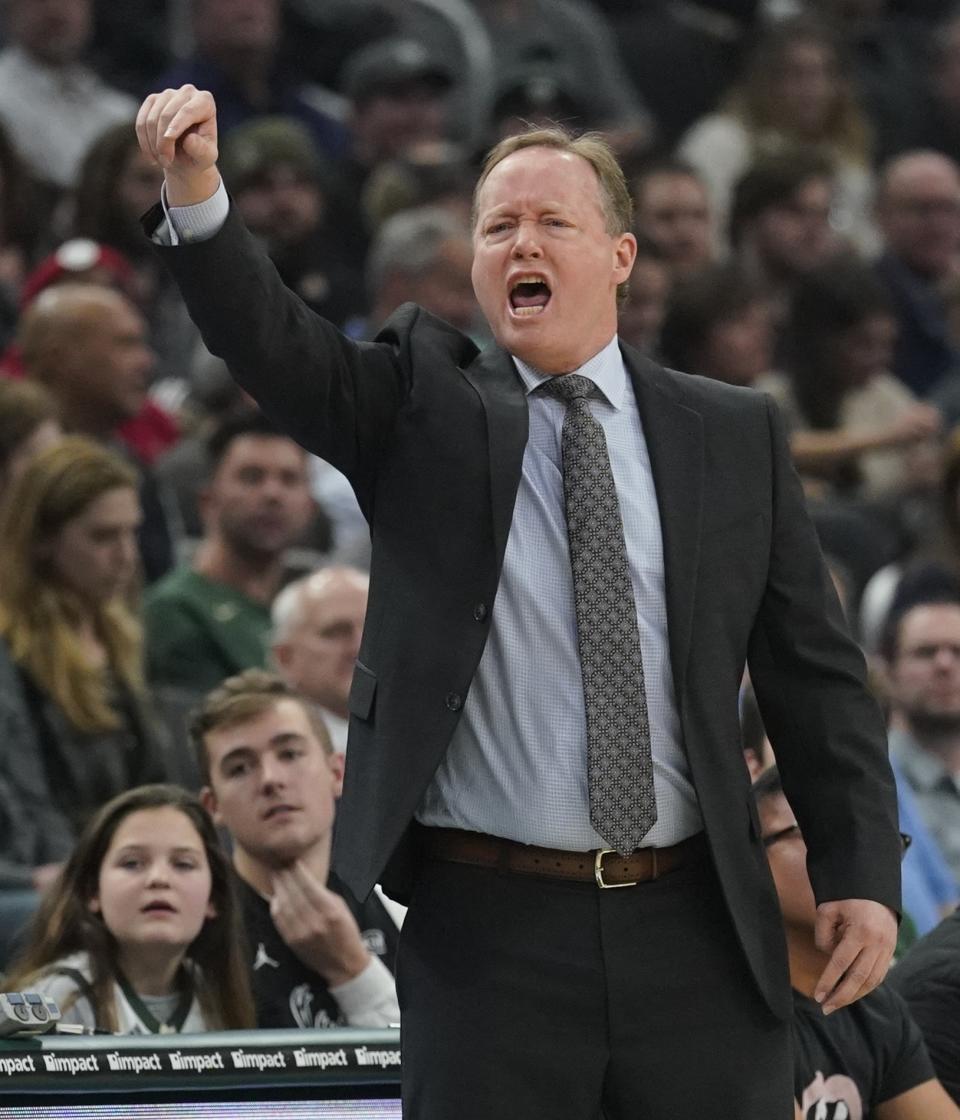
{"x":598,"y":871}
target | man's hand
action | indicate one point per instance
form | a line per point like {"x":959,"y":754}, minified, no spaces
{"x":178,"y":130}
{"x":317,"y":925}
{"x":860,"y":935}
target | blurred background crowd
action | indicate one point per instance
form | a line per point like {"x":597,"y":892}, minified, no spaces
{"x":795,"y":168}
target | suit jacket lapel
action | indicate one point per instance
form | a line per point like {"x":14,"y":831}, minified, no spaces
{"x":674,"y":436}
{"x":495,"y":378}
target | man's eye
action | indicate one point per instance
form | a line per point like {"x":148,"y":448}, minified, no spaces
{"x":498,"y":227}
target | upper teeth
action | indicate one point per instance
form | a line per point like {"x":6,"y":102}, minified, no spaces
{"x":528,"y":280}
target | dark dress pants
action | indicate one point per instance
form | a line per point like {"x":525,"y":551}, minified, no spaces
{"x":536,"y":999}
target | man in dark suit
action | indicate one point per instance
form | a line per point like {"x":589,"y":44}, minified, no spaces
{"x":574,"y":552}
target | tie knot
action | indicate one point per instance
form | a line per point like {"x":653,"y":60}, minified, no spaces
{"x":569,"y":387}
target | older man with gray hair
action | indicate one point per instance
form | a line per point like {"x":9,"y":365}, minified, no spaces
{"x":317,"y":623}
{"x":423,"y":256}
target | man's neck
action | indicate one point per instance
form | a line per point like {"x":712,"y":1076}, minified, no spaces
{"x":258,"y":578}
{"x":943,"y":744}
{"x":258,"y":873}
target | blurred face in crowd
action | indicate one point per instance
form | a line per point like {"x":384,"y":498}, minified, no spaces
{"x":925,"y":670}
{"x":258,"y":500}
{"x":865,"y":350}
{"x":805,"y":86}
{"x":236,"y":28}
{"x":110,"y":364}
{"x":919,"y":212}
{"x":674,"y":212}
{"x":794,"y":236}
{"x":545,"y":268}
{"x":389,"y":122}
{"x":95,"y":554}
{"x":317,"y":655}
{"x":787,"y":856}
{"x":282,"y":205}
{"x":739,"y":349}
{"x":445,"y":288}
{"x":155,"y":881}
{"x":273,"y":784}
{"x":642,"y":315}
{"x":138,"y":187}
{"x":54,"y":31}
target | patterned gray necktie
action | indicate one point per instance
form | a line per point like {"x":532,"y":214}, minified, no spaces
{"x":619,"y":764}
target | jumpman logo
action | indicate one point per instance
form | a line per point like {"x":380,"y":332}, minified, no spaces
{"x":263,"y":958}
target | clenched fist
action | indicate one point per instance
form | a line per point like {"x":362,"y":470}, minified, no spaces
{"x":178,"y":130}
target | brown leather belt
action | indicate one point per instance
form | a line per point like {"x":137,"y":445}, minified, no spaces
{"x":604,"y":866}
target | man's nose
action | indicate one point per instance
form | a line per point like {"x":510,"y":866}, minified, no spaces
{"x":526,"y":241}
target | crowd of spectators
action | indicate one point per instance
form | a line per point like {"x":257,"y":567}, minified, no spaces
{"x":795,"y":168}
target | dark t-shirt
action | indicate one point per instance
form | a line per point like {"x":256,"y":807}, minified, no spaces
{"x":928,"y":978}
{"x":847,"y":1063}
{"x":285,"y":991}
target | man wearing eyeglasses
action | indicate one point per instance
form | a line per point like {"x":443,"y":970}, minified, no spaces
{"x":865,"y":1060}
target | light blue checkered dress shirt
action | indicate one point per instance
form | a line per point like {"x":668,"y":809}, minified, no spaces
{"x":517,"y":764}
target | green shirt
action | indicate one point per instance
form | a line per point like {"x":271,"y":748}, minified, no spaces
{"x":199,"y":631}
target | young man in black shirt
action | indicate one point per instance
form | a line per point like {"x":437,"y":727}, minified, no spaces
{"x":317,"y":957}
{"x":864,"y":1060}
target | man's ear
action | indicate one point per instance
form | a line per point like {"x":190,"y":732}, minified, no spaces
{"x":208,"y":799}
{"x":282,"y":653}
{"x":337,"y":761}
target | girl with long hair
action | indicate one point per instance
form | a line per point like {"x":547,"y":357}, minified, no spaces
{"x":140,"y":934}
{"x":794,"y":92}
{"x":78,"y":725}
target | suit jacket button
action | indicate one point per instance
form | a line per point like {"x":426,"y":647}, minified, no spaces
{"x":480,"y":612}
{"x":454,"y":701}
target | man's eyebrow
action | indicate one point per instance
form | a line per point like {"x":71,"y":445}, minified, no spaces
{"x":285,"y":737}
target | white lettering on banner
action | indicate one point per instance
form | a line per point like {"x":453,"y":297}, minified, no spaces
{"x":87,"y":1064}
{"x":199,"y":1063}
{"x":242,"y":1060}
{"x":382,"y":1058}
{"x":134,"y":1063}
{"x":17,"y":1065}
{"x":321,"y":1059}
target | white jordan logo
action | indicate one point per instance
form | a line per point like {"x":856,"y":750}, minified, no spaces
{"x":262,"y":958}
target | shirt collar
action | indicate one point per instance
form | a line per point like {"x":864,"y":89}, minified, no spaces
{"x":605,"y":369}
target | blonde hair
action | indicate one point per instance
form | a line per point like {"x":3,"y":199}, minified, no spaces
{"x":615,"y":199}
{"x":38,"y":615}
{"x":846,"y":131}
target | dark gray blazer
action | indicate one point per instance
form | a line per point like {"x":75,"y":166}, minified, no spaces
{"x":431,"y":434}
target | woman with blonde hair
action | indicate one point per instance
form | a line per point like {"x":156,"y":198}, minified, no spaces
{"x":74,"y":714}
{"x":793,"y":93}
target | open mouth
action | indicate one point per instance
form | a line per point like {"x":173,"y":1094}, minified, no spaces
{"x":158,"y":907}
{"x":529,"y":295}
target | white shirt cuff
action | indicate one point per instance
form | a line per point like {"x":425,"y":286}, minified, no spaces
{"x":370,"y":998}
{"x":192,"y":223}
